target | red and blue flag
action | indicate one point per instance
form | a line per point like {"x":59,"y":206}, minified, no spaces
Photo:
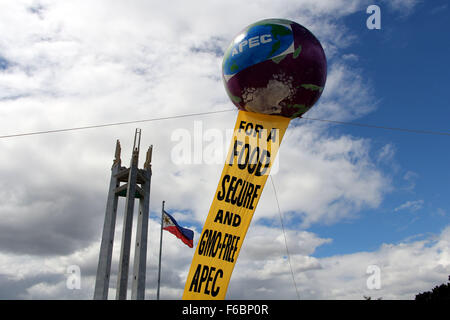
{"x":171,"y":225}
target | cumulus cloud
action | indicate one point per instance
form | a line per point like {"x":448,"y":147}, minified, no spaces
{"x":334,"y":177}
{"x":410,"y":205}
{"x":404,"y":6}
{"x":386,"y":153}
{"x":406,"y":269}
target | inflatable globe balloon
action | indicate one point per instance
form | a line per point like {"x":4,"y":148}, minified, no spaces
{"x":276,"y":67}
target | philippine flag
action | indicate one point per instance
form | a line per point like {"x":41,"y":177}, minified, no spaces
{"x":171,"y":225}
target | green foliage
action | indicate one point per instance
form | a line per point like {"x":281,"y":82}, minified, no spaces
{"x":438,"y":293}
{"x":370,"y":298}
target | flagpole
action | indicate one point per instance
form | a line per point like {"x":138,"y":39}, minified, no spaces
{"x":160,"y":249}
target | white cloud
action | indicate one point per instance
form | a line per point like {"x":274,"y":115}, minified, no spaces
{"x":325,"y":179}
{"x":410,"y":205}
{"x":404,"y":6}
{"x":441,"y":212}
{"x":406,"y":270}
{"x":387,"y":153}
{"x":410,"y":178}
{"x":299,"y":243}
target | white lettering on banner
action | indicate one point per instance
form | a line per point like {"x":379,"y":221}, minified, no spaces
{"x":266,"y":38}
{"x":252,"y":42}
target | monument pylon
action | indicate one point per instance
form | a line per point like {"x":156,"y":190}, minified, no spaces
{"x":131,"y":183}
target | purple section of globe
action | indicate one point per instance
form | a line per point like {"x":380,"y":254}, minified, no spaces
{"x":306,"y":73}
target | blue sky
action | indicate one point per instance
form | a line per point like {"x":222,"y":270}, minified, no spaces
{"x":405,"y":63}
{"x":351,"y":197}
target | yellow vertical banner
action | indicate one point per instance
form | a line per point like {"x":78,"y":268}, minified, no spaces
{"x":253,"y":150}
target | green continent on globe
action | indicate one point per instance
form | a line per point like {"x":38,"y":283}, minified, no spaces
{"x":301,"y":110}
{"x":279,"y":58}
{"x":312,"y":87}
{"x":278,"y":31}
{"x":297,"y":52}
{"x":233,"y":97}
{"x":275,"y":47}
